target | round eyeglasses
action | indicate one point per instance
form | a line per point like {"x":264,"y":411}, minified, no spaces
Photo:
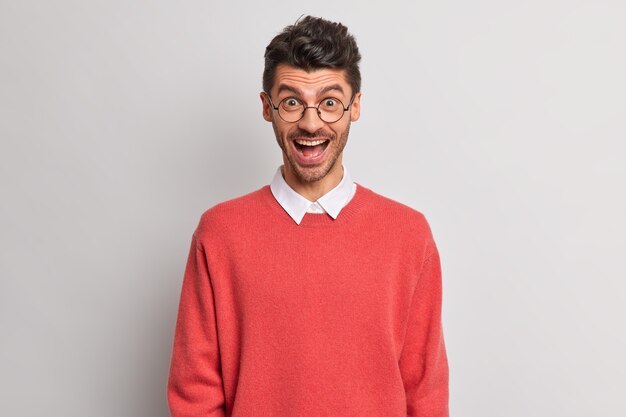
{"x":291,"y":109}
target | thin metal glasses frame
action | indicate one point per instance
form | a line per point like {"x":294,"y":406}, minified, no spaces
{"x":319,"y":113}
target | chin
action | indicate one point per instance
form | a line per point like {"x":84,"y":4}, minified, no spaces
{"x":311,"y":174}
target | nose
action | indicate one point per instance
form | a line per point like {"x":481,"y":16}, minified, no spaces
{"x":310,"y":121}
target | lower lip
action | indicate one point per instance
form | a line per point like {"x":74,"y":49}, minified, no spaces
{"x":305,"y":160}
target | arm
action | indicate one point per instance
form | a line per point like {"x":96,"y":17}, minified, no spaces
{"x":195,"y":381}
{"x":423,"y":362}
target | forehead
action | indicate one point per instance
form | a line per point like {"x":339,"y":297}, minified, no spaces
{"x":310,"y":82}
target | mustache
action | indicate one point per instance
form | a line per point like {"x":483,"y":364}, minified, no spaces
{"x":303,"y":134}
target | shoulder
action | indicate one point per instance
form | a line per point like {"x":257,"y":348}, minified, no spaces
{"x":232,"y":212}
{"x":389,"y":207}
{"x":394,"y":214}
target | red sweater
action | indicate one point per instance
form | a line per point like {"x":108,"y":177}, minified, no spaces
{"x":329,"y":318}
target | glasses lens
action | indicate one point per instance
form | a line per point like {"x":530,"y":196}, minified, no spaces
{"x":290,"y":109}
{"x":331,"y":110}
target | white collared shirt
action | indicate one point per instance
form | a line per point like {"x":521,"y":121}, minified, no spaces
{"x":297,"y":206}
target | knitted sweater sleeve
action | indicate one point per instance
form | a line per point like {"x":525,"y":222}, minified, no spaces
{"x":423,"y":362}
{"x":195,"y":381}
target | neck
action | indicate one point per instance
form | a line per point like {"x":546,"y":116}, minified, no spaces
{"x":313,"y":190}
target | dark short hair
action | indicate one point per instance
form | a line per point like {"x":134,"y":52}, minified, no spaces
{"x":313,"y":43}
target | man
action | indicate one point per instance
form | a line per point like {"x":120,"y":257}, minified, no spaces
{"x":312,"y":296}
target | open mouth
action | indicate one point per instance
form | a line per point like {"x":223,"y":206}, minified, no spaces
{"x":311,"y":148}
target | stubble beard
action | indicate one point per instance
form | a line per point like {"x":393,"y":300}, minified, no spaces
{"x":308,"y":175}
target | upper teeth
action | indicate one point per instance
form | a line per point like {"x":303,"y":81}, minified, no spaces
{"x":309,"y":143}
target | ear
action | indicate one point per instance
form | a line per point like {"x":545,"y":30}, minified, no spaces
{"x":268,"y":114}
{"x":355,"y":109}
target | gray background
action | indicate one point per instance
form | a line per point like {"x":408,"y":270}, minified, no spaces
{"x":502,"y":121}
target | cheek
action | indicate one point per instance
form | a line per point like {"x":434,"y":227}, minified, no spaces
{"x":280,"y":133}
{"x":342,"y":131}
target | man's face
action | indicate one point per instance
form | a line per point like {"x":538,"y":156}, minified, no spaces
{"x":308,"y":163}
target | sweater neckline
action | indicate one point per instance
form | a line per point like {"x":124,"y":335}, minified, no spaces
{"x":349,"y":211}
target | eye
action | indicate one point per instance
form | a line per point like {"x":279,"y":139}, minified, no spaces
{"x":291,"y":102}
{"x":330,"y":102}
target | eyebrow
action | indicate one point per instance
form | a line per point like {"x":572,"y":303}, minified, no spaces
{"x":332,"y":87}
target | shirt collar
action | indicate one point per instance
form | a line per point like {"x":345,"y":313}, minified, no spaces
{"x":296,"y":205}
